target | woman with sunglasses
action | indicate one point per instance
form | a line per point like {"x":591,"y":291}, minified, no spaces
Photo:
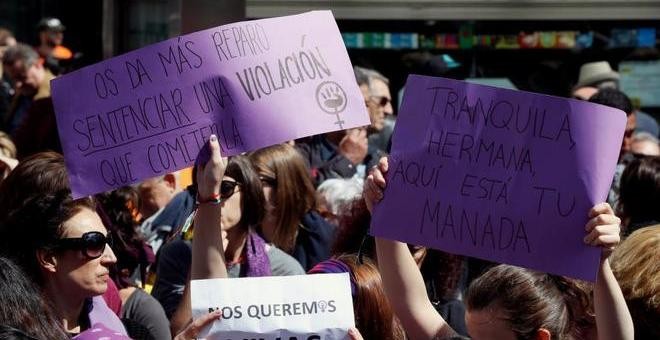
{"x":291,"y":222}
{"x":240,"y":200}
{"x":209,"y":255}
{"x":59,"y":242}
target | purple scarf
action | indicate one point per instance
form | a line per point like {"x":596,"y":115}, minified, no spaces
{"x":103,"y":321}
{"x":256,"y":259}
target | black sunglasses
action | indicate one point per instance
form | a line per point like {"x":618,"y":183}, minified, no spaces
{"x":92,"y":244}
{"x":382,"y":101}
{"x":228,"y":188}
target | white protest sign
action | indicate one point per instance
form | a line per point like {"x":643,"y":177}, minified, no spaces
{"x":301,"y":307}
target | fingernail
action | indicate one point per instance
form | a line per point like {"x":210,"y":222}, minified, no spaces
{"x":217,"y":314}
{"x":213,"y":138}
{"x":351,"y":331}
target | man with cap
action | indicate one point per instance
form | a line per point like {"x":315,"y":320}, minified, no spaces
{"x":51,"y":35}
{"x":30,"y":119}
{"x":598,"y":75}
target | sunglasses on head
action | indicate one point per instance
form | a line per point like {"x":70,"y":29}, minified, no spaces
{"x":381,"y":101}
{"x":92,"y":244}
{"x":228,"y":188}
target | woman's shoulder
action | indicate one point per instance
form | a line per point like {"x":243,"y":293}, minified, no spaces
{"x":281,"y":263}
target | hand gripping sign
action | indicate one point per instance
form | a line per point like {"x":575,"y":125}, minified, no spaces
{"x":497,"y":174}
{"x":253,"y":84}
{"x":301,"y":307}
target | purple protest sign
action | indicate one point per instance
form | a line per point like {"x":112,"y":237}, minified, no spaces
{"x":503,"y":175}
{"x":253,"y":83}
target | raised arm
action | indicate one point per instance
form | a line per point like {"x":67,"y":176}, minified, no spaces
{"x":613,"y":320}
{"x":402,"y":280}
{"x":208,"y":254}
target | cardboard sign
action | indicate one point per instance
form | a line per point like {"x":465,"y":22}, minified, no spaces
{"x":497,"y":174}
{"x":301,"y":307}
{"x":253,"y":84}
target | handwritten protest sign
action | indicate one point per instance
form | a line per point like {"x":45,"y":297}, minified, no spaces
{"x":302,"y":307}
{"x":253,"y":83}
{"x":498,"y":174}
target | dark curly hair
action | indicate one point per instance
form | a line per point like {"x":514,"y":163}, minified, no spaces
{"x":128,"y":245}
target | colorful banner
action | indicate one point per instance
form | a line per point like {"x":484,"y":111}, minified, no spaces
{"x":302,"y":307}
{"x":254,"y":83}
{"x":497,"y":174}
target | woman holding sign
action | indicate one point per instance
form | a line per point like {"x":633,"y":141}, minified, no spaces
{"x":507,"y":302}
{"x":236,"y":202}
{"x":209,"y":251}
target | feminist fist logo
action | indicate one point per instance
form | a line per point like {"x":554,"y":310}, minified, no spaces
{"x":331,"y":98}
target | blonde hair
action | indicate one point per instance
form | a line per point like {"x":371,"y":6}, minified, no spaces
{"x":7,"y":147}
{"x":637,"y":269}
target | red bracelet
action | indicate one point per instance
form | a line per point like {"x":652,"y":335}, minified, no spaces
{"x":214,"y":199}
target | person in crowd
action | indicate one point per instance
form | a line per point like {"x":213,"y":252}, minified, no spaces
{"x":614,"y":98}
{"x":618,"y":100}
{"x":291,"y":221}
{"x":61,"y":245}
{"x":599,"y":75}
{"x":6,"y":90}
{"x":644,"y":143}
{"x":376,"y":92}
{"x":374,"y":317}
{"x":640,"y":193}
{"x":50,"y":49}
{"x":507,"y":302}
{"x":335,"y":197}
{"x":347,"y":153}
{"x":241,"y":200}
{"x":59,"y":242}
{"x":155,"y":194}
{"x":353,"y":231}
{"x":172,"y":216}
{"x":636,"y":267}
{"x":30,"y":119}
{"x":141,"y":313}
{"x":23,"y":308}
{"x":338,"y":154}
{"x":209,"y":253}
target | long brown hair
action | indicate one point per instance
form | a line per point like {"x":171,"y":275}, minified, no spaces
{"x":374,"y":316}
{"x":532,"y":300}
{"x":293,"y":191}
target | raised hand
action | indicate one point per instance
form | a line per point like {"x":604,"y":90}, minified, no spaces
{"x":375,"y":184}
{"x":209,"y":174}
{"x":354,"y":145}
{"x":603,"y":228}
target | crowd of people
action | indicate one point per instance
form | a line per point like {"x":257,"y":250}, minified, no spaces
{"x":119,"y":264}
